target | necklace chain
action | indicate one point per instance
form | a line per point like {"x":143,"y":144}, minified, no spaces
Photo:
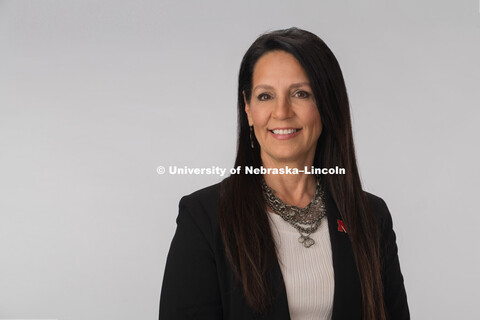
{"x":311,"y":215}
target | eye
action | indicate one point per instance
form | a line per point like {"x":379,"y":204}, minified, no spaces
{"x":263,"y":96}
{"x":302,"y":94}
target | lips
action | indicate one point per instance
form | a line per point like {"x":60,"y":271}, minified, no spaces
{"x":288,"y":130}
{"x":284,"y":133}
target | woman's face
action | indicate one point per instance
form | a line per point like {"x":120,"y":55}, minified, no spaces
{"x":283,"y":111}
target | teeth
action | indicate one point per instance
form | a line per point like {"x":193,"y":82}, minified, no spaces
{"x":284,"y":131}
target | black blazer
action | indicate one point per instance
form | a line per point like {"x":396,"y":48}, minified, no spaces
{"x":199,"y":283}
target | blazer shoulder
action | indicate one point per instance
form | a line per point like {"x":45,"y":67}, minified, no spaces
{"x":202,"y":206}
{"x":205,"y":197}
{"x":379,"y":208}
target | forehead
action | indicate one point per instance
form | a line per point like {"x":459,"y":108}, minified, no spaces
{"x":276,"y":67}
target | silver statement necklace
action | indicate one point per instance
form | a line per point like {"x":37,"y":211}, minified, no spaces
{"x":311,"y":215}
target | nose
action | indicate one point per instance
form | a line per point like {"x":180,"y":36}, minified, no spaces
{"x":282,"y":108}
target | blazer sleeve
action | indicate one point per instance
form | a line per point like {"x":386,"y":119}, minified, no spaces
{"x":190,"y":285}
{"x":394,"y":290}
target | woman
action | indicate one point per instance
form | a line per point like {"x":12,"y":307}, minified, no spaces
{"x":286,"y":246}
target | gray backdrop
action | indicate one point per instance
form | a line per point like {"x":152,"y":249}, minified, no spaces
{"x":94,"y":95}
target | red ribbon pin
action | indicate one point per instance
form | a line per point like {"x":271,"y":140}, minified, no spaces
{"x":341,"y":226}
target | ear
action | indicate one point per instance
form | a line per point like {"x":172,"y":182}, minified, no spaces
{"x":247,"y":110}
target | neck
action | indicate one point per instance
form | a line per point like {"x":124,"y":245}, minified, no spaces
{"x":293,"y":189}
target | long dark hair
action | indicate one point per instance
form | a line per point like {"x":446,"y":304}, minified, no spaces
{"x":243,"y":218}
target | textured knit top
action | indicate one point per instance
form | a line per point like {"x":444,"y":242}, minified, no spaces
{"x":307,"y":272}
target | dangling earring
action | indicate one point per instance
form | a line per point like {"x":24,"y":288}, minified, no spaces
{"x":251,"y":139}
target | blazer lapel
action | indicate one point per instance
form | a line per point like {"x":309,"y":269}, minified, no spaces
{"x":347,"y":299}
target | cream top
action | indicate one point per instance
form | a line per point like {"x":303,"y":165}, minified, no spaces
{"x":307,"y":272}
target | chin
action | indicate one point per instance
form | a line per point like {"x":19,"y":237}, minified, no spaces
{"x":283,"y":156}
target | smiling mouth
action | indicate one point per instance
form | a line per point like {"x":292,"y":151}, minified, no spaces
{"x":284,"y":131}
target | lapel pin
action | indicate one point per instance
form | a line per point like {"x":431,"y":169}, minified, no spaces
{"x":341,"y":226}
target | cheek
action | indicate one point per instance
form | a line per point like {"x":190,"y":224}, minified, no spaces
{"x":312,"y":116}
{"x":259,"y":116}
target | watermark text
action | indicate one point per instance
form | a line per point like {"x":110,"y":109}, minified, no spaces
{"x":216,"y":170}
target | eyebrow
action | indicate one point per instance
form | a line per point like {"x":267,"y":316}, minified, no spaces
{"x":293,"y":85}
